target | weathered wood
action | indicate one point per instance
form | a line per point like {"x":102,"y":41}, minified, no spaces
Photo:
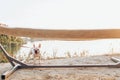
{"x":62,"y":34}
{"x":8,"y":73}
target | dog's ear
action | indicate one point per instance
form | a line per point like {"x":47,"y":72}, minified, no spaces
{"x":39,"y":45}
{"x":33,"y":45}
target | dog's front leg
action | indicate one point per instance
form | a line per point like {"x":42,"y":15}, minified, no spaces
{"x":39,"y":60}
{"x":34,"y":59}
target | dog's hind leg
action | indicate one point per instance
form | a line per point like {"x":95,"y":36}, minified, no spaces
{"x":28,"y":58}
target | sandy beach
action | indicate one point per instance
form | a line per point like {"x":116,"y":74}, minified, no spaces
{"x":68,"y":73}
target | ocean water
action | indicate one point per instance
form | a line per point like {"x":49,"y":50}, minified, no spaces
{"x":90,"y":48}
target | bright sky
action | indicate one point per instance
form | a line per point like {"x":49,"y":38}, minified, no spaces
{"x":60,"y":14}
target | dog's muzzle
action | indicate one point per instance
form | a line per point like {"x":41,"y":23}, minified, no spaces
{"x":36,"y":51}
